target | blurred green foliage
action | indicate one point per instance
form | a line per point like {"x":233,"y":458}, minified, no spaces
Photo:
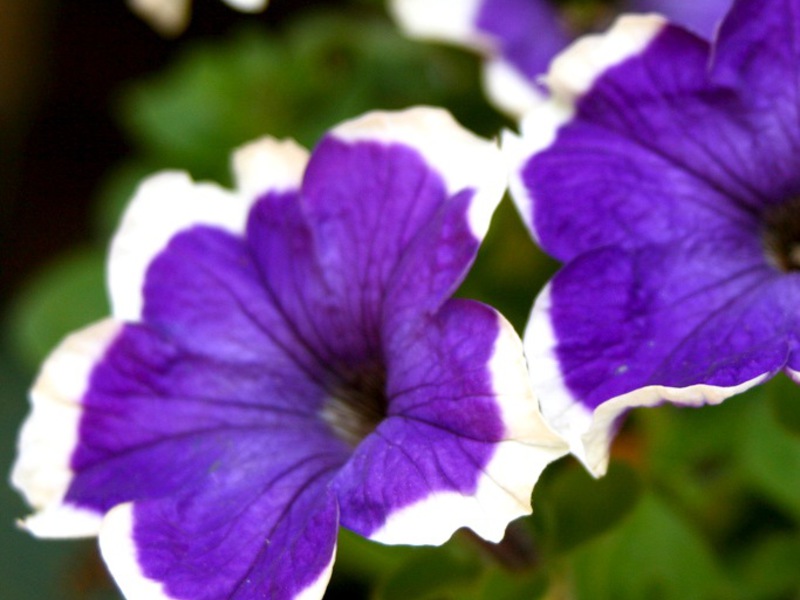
{"x":319,"y":71}
{"x":698,"y":503}
{"x":65,"y":296}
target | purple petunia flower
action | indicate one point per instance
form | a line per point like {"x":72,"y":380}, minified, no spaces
{"x":665,"y":172}
{"x":285,"y":358}
{"x":521,"y":37}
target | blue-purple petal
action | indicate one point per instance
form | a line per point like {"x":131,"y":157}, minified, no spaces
{"x":703,"y":16}
{"x":527,"y":34}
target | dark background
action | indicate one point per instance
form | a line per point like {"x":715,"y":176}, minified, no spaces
{"x":61,"y":64}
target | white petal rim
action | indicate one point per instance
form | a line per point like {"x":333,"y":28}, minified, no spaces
{"x":163,"y":206}
{"x":250,"y":6}
{"x":509,"y":90}
{"x":120,"y":555}
{"x":572,"y":73}
{"x":539,"y":130}
{"x":590,"y":432}
{"x":504,"y":488}
{"x":316,"y":589}
{"x":170,"y":202}
{"x":269,"y":164}
{"x":596,"y":441}
{"x":450,"y":21}
{"x":461,"y":158}
{"x":49,"y":436}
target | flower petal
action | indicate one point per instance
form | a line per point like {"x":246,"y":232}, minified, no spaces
{"x":447,"y":20}
{"x":43,"y":471}
{"x":526,"y":34}
{"x":701,"y":17}
{"x":701,"y":320}
{"x":448,"y":151}
{"x":274,"y":541}
{"x":247,"y":5}
{"x":156,"y":418}
{"x":185,"y":438}
{"x":757,"y":47}
{"x":205,"y":293}
{"x":519,"y":36}
{"x":404,"y":169}
{"x":463,"y":443}
{"x":663,"y":154}
{"x":170,"y":202}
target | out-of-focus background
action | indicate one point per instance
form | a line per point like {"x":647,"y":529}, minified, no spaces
{"x":698,"y":504}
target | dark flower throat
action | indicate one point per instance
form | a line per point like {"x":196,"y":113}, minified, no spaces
{"x":781,"y":235}
{"x":357,"y":404}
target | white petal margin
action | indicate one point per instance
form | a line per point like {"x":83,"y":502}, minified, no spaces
{"x":247,"y":5}
{"x":504,"y":488}
{"x":120,"y":555}
{"x":269,"y":165}
{"x":316,"y":590}
{"x":42,"y":471}
{"x":170,"y":202}
{"x":450,"y":21}
{"x":572,"y":73}
{"x":168,"y":17}
{"x":509,"y":90}
{"x":461,"y":158}
{"x":591,"y":432}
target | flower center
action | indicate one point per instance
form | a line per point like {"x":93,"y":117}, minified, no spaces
{"x":358,"y":404}
{"x":781,"y":235}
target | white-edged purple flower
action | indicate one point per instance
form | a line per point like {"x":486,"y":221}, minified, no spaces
{"x":285,"y":358}
{"x":521,"y":37}
{"x":665,"y":172}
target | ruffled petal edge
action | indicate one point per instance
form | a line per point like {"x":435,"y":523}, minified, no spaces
{"x":504,"y":488}
{"x":171,"y":202}
{"x":463,"y":159}
{"x":42,"y":471}
{"x":119,"y":552}
{"x":572,"y":74}
{"x":588,"y":432}
{"x":452,"y":21}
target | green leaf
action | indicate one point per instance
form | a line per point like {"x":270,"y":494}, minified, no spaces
{"x":769,"y":569}
{"x":324,"y":68}
{"x":783,"y":394}
{"x":653,"y":554}
{"x":67,"y":295}
{"x":506,"y":585}
{"x":115,"y":193}
{"x":693,"y":456}
{"x":570,"y":507}
{"x":447,"y":572}
{"x":771,"y":459}
{"x":362,"y":558}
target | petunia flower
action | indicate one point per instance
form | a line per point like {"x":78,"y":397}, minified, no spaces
{"x":519,"y":38}
{"x":664,"y":171}
{"x":285,"y":358}
{"x":170,"y":17}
